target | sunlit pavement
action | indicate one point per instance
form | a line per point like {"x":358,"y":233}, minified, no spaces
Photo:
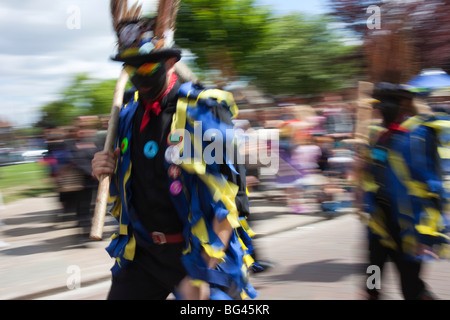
{"x":44,"y":255}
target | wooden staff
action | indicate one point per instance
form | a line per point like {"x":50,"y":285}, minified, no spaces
{"x":98,"y":220}
{"x":364,"y":111}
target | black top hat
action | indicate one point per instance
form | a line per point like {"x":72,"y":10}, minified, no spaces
{"x":386,"y":90}
{"x":138,"y":43}
{"x":388,"y":99}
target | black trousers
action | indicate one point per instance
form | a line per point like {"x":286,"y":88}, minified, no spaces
{"x":411,"y":284}
{"x":153,"y":274}
{"x":83,"y":206}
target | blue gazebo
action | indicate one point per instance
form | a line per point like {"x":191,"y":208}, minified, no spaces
{"x":429,"y":80}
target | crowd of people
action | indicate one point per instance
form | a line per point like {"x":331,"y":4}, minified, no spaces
{"x":314,"y":159}
{"x":70,"y":151}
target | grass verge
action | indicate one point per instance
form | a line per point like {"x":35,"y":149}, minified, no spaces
{"x":24,"y":181}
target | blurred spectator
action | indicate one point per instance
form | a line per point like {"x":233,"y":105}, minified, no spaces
{"x":70,"y":155}
{"x":305,"y":155}
{"x":292,"y":134}
{"x":83,"y":148}
{"x":326,"y":145}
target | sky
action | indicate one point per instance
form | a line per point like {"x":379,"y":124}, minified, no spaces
{"x":286,"y":6}
{"x":43,"y":43}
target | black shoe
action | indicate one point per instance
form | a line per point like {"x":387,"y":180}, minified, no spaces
{"x":260,"y":266}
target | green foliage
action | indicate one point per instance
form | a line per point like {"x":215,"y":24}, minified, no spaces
{"x":235,"y":40}
{"x":222,"y":32}
{"x":84,"y":96}
{"x":301,"y":55}
{"x":290,"y":54}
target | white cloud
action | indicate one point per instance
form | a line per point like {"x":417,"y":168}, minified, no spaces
{"x":40,"y":54}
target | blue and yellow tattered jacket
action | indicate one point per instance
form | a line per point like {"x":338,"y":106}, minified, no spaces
{"x":206,"y":194}
{"x":405,"y":176}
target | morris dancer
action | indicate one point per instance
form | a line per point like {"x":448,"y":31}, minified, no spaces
{"x":178,"y":218}
{"x":404,"y":190}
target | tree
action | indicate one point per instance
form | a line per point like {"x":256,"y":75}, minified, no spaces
{"x":421,"y":28}
{"x":301,"y":55}
{"x":221,"y":33}
{"x":245,"y":41}
{"x":353,"y":13}
{"x":84,"y":96}
{"x":432,"y":33}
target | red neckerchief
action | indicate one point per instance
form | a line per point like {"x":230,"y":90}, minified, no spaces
{"x":392,"y":128}
{"x":155,"y":107}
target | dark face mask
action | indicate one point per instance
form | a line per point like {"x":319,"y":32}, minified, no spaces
{"x":389,"y":108}
{"x":151,"y":87}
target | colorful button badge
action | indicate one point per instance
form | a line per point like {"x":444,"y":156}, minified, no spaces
{"x":150,"y":149}
{"x":124,"y":146}
{"x":174,"y":138}
{"x":176,"y":187}
{"x":172,"y":155}
{"x":174,"y":171}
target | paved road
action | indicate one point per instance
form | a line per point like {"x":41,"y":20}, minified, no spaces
{"x":315,"y":258}
{"x":326,"y":260}
{"x":319,"y":261}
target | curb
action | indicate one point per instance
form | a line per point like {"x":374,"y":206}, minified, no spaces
{"x":99,"y":279}
{"x":61,"y":289}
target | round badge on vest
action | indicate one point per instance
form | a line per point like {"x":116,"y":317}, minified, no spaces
{"x":174,"y":138}
{"x":176,"y":187}
{"x":124,"y":145}
{"x":150,"y":149}
{"x":172,"y":155}
{"x":174,"y":171}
